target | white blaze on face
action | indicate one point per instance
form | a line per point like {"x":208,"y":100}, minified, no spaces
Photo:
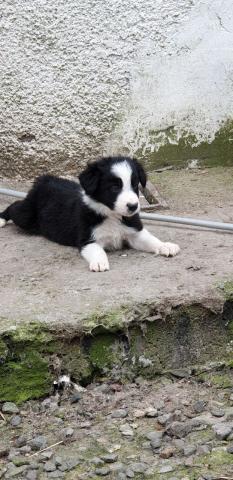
{"x":123,"y":171}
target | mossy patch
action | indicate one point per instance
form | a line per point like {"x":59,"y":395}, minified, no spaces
{"x":227,"y":289}
{"x":180,"y":150}
{"x":111,"y":320}
{"x":106,"y":351}
{"x":215,"y":459}
{"x":3,"y":351}
{"x":221,"y":380}
{"x":25,"y":376}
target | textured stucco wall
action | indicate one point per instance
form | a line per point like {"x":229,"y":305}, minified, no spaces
{"x":180,"y":105}
{"x":68,"y":68}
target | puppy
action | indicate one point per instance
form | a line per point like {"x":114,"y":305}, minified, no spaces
{"x":101,"y":213}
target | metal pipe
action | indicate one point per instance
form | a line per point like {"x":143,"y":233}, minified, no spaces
{"x":153,"y":216}
{"x":12,"y":193}
{"x":187,"y":221}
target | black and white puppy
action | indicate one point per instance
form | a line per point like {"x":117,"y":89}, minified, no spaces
{"x":101,"y":213}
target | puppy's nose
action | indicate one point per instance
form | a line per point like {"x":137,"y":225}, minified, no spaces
{"x":132,"y":207}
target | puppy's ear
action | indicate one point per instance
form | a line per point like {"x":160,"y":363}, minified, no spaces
{"x":89,"y":178}
{"x":141,"y":173}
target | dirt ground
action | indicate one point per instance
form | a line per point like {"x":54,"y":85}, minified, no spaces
{"x":40,"y":280}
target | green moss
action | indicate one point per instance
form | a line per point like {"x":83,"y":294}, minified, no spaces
{"x":3,"y":351}
{"x":25,"y":376}
{"x":220,"y":380}
{"x":33,"y":332}
{"x":180,"y":150}
{"x":74,"y":361}
{"x":227,"y":288}
{"x":112,"y":320}
{"x":217,"y":458}
{"x":104,"y":351}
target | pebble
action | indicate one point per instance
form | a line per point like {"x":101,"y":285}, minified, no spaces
{"x":16,"y":421}
{"x":138,"y":467}
{"x":189,"y":450}
{"x":222,"y":430}
{"x":117,"y":467}
{"x":102,"y":471}
{"x":32,"y":475}
{"x":96,"y":461}
{"x":126,"y":430}
{"x":129,"y":473}
{"x":75,"y":398}
{"x":46,"y":455}
{"x":155,"y":438}
{"x":230,"y":449}
{"x":167,"y":452}
{"x":139,"y":413}
{"x":38,"y":443}
{"x":10,"y":407}
{"x":25,"y":449}
{"x":67,"y":432}
{"x":166,"y":469}
{"x":163,"y":419}
{"x":15,"y":471}
{"x":49,"y":467}
{"x":217,"y":412}
{"x":151,"y":412}
{"x":121,"y":476}
{"x":119,"y":413}
{"x":21,"y":441}
{"x":69,"y":464}
{"x":199,"y":406}
{"x":109,"y":458}
{"x":203,"y":449}
{"x":182,"y":429}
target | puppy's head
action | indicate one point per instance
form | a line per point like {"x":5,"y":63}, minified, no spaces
{"x":114,"y":182}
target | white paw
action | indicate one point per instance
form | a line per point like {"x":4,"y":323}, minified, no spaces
{"x":169,"y":249}
{"x":2,"y":222}
{"x":99,"y":266}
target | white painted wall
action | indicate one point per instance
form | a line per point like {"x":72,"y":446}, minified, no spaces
{"x":188,"y":86}
{"x":66,"y":72}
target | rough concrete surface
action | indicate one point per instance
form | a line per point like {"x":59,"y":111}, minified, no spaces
{"x":43,"y":281}
{"x":66,"y":70}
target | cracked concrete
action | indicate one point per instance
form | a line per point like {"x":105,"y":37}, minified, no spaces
{"x":43,"y":281}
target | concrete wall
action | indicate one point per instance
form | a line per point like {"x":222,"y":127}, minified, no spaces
{"x":66,"y":70}
{"x":79,"y":79}
{"x":180,"y":106}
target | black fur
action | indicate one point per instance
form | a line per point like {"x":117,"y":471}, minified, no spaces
{"x":55,"y":208}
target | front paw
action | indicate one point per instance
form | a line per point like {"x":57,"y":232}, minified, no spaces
{"x":168,"y":249}
{"x":99,"y":266}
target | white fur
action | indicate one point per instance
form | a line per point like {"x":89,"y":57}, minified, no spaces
{"x":95,"y":255}
{"x":127,"y":195}
{"x":98,"y":207}
{"x":3,"y":222}
{"x":146,"y":242}
{"x":111,"y":233}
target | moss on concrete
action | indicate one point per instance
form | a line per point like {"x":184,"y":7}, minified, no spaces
{"x":227,"y":288}
{"x":105,"y":351}
{"x":127,"y":342}
{"x":3,"y":351}
{"x":180,"y":151}
{"x":24,"y":376}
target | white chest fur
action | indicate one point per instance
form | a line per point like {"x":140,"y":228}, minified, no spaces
{"x":111,"y":234}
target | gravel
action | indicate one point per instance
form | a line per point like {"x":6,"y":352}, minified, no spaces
{"x":144,"y":430}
